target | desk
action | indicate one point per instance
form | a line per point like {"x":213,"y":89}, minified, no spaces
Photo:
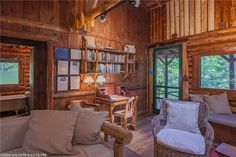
{"x":112,"y":101}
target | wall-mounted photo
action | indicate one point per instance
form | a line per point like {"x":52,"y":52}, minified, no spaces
{"x":62,"y":83}
{"x":62,"y":67}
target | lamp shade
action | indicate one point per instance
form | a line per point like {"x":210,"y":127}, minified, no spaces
{"x":100,"y":79}
{"x":89,"y":80}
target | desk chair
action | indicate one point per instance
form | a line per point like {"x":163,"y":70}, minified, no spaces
{"x":130,"y":111}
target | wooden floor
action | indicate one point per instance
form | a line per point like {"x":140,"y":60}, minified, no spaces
{"x":142,"y":142}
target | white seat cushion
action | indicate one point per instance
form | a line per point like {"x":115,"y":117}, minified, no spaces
{"x":96,"y":150}
{"x":182,"y":141}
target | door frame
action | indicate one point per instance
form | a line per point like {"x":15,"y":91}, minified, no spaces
{"x":155,"y":52}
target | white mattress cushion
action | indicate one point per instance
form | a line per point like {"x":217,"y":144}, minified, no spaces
{"x":182,"y":141}
{"x":224,"y":119}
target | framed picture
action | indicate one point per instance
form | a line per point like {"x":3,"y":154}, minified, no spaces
{"x":90,"y":41}
{"x":61,"y":53}
{"x":75,"y":54}
{"x":62,"y":83}
{"x":74,"y":68}
{"x":62,"y":67}
{"x":75,"y":82}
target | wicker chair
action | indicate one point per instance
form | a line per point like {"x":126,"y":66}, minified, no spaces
{"x":159,"y":121}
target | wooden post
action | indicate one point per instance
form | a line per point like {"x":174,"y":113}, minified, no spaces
{"x":50,"y":75}
{"x":185,"y":71}
{"x":150,"y":80}
{"x":119,"y":149}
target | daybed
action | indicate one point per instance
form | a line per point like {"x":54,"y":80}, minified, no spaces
{"x":13,"y":131}
{"x":222,"y":116}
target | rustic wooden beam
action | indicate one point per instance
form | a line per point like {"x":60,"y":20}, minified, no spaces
{"x":82,"y":5}
{"x":99,"y":10}
{"x":25,"y":35}
{"x":30,"y":23}
{"x":94,"y":3}
{"x":166,"y":42}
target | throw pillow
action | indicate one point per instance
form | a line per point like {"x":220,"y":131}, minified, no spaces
{"x":88,"y":127}
{"x":76,"y":106}
{"x":219,"y":103}
{"x":50,"y":131}
{"x":183,"y":116}
{"x":198,"y":97}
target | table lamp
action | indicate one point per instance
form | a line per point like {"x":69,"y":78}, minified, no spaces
{"x":100,"y":80}
{"x":89,"y":80}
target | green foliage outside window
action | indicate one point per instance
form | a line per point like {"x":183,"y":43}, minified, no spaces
{"x":9,"y":73}
{"x":218,"y":72}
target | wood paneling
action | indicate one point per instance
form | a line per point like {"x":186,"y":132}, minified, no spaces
{"x":210,"y":43}
{"x":159,"y":23}
{"x":49,"y":21}
{"x":22,"y":54}
{"x":185,"y":18}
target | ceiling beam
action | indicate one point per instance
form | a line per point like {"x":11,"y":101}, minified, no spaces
{"x":30,"y":23}
{"x":91,"y":15}
{"x":82,"y":7}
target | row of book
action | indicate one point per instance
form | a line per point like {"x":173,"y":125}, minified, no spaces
{"x":90,"y":55}
{"x":110,"y":68}
{"x":102,"y":56}
{"x":108,"y":57}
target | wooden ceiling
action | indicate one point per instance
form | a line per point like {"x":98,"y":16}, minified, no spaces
{"x":151,"y":4}
{"x":85,"y":11}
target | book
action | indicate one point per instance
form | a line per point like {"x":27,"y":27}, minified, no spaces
{"x":110,"y":68}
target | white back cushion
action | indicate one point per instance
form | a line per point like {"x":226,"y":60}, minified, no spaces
{"x":183,"y":116}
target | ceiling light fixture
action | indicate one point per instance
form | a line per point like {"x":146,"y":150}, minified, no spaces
{"x":102,"y":17}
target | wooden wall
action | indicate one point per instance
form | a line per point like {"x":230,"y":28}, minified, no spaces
{"x":48,"y":21}
{"x":22,"y":54}
{"x":182,"y":18}
{"x":205,"y":27}
{"x":219,"y":42}
{"x":124,"y":25}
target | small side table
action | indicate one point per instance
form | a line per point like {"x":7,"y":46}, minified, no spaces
{"x":226,"y":150}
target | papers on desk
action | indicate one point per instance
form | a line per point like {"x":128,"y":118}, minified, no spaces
{"x":118,"y":97}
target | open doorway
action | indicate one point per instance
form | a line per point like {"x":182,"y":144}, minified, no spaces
{"x":32,"y":69}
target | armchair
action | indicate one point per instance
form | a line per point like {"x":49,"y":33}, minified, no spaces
{"x":159,"y":121}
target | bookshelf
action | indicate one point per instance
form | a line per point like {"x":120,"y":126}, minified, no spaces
{"x":106,"y":61}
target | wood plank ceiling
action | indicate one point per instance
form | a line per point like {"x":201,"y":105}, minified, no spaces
{"x":152,"y":4}
{"x":85,"y":11}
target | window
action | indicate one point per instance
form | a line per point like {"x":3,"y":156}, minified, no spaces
{"x":218,"y":72}
{"x":9,"y":71}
